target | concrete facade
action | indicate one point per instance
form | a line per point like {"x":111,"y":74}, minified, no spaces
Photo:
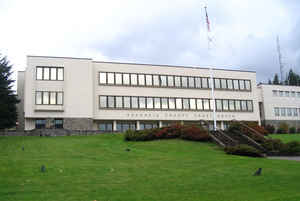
{"x":279,"y":103}
{"x":81,"y":89}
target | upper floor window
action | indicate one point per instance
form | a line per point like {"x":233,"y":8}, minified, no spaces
{"x":275,"y":93}
{"x":276,"y":111}
{"x":293,"y":94}
{"x":48,"y":98}
{"x":298,"y":94}
{"x":49,"y":73}
{"x":287,"y":93}
{"x":281,"y":93}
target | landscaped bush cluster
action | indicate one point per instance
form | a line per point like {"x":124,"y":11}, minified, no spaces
{"x":283,"y":128}
{"x":194,"y":133}
{"x":243,"y":150}
{"x":277,"y":147}
{"x":292,"y":130}
{"x":270,"y":129}
{"x":258,"y":128}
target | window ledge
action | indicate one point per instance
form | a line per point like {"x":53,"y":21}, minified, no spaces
{"x":49,"y":108}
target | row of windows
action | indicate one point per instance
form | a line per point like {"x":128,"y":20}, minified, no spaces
{"x":48,"y":98}
{"x":124,"y":126}
{"x":286,"y":93}
{"x":56,"y":123}
{"x":49,"y":73}
{"x":171,"y":81}
{"x":283,"y":112}
{"x":135,"y":102}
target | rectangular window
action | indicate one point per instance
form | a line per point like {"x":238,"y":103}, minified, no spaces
{"x":217,"y":83}
{"x":191,"y":82}
{"x":156,"y":80}
{"x":231,"y":105}
{"x":59,"y":98}
{"x":204,"y":82}
{"x":163,"y":80}
{"x":127,"y":102}
{"x":237,"y":105}
{"x":149,"y":102}
{"x":199,"y":104}
{"x":236,"y":85}
{"x":287,"y":93}
{"x":52,"y":98}
{"x":223,"y":84}
{"x":242,"y":84}
{"x":134,"y":102}
{"x":170,"y":81}
{"x":282,"y":112}
{"x":206,"y":104}
{"x":244,"y":105}
{"x":218,"y":105}
{"x":298,"y":94}
{"x":133,"y":79}
{"x":53,"y":73}
{"x":110,"y":78}
{"x":197,"y":82}
{"x":164,"y":103}
{"x":149,"y":80}
{"x":250,"y":105}
{"x":184,"y":82}
{"x":39,"y":73}
{"x":45,"y":98}
{"x":126,"y":79}
{"x":229,"y":84}
{"x":289,"y":112}
{"x":172,"y":103}
{"x":178,"y":81}
{"x":119,"y":79}
{"x":225,"y":105}
{"x":295,"y":112}
{"x":179,"y":103}
{"x":111,"y":101}
{"x":280,"y":93}
{"x":102,"y":78}
{"x":275,"y":93}
{"x":293,"y":94}
{"x":60,"y":74}
{"x":58,"y":123}
{"x":185,"y":103}
{"x":103,"y":101}
{"x":192,"y":104}
{"x":119,"y":102}
{"x":157,"y":103}
{"x":46,"y":74}
{"x":248,"y":85}
{"x":106,"y":126}
{"x":40,"y":123}
{"x":142,"y":102}
{"x":276,"y":111}
{"x":38,"y":98}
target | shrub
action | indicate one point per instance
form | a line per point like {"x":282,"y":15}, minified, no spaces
{"x":258,"y":128}
{"x":298,"y":130}
{"x":270,"y":129}
{"x":237,"y":127}
{"x":283,"y":128}
{"x":292,"y":130}
{"x":291,"y":149}
{"x":195,"y":133}
{"x":273,"y":145}
{"x":243,"y":150}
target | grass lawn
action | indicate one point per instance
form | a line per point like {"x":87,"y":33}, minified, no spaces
{"x":88,"y":168}
{"x":287,"y":137}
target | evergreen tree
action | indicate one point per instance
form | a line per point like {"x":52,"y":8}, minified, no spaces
{"x":8,"y":99}
{"x":269,"y":81}
{"x":276,"y":79}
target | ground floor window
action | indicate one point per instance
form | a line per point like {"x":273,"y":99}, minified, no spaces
{"x":58,"y":123}
{"x":148,"y":125}
{"x":40,"y":123}
{"x":106,"y":126}
{"x":124,"y":126}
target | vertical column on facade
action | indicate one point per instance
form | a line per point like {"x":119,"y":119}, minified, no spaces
{"x":160,"y":124}
{"x":181,"y":122}
{"x":137,"y":125}
{"x":222,"y":125}
{"x":114,"y":125}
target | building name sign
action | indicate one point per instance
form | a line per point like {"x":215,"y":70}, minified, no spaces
{"x":180,"y":115}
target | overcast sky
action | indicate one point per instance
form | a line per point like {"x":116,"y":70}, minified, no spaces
{"x":155,"y":31}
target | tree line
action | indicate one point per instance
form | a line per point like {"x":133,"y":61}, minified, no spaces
{"x":292,"y":79}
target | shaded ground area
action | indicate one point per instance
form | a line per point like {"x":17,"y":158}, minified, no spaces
{"x":100,"y":168}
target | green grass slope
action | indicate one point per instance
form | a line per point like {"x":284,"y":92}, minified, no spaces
{"x":88,"y":168}
{"x":286,"y":137}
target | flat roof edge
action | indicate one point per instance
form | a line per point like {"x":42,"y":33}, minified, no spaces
{"x":173,"y":66}
{"x":57,"y":57}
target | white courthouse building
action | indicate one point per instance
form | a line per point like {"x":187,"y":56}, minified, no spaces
{"x":82,"y":94}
